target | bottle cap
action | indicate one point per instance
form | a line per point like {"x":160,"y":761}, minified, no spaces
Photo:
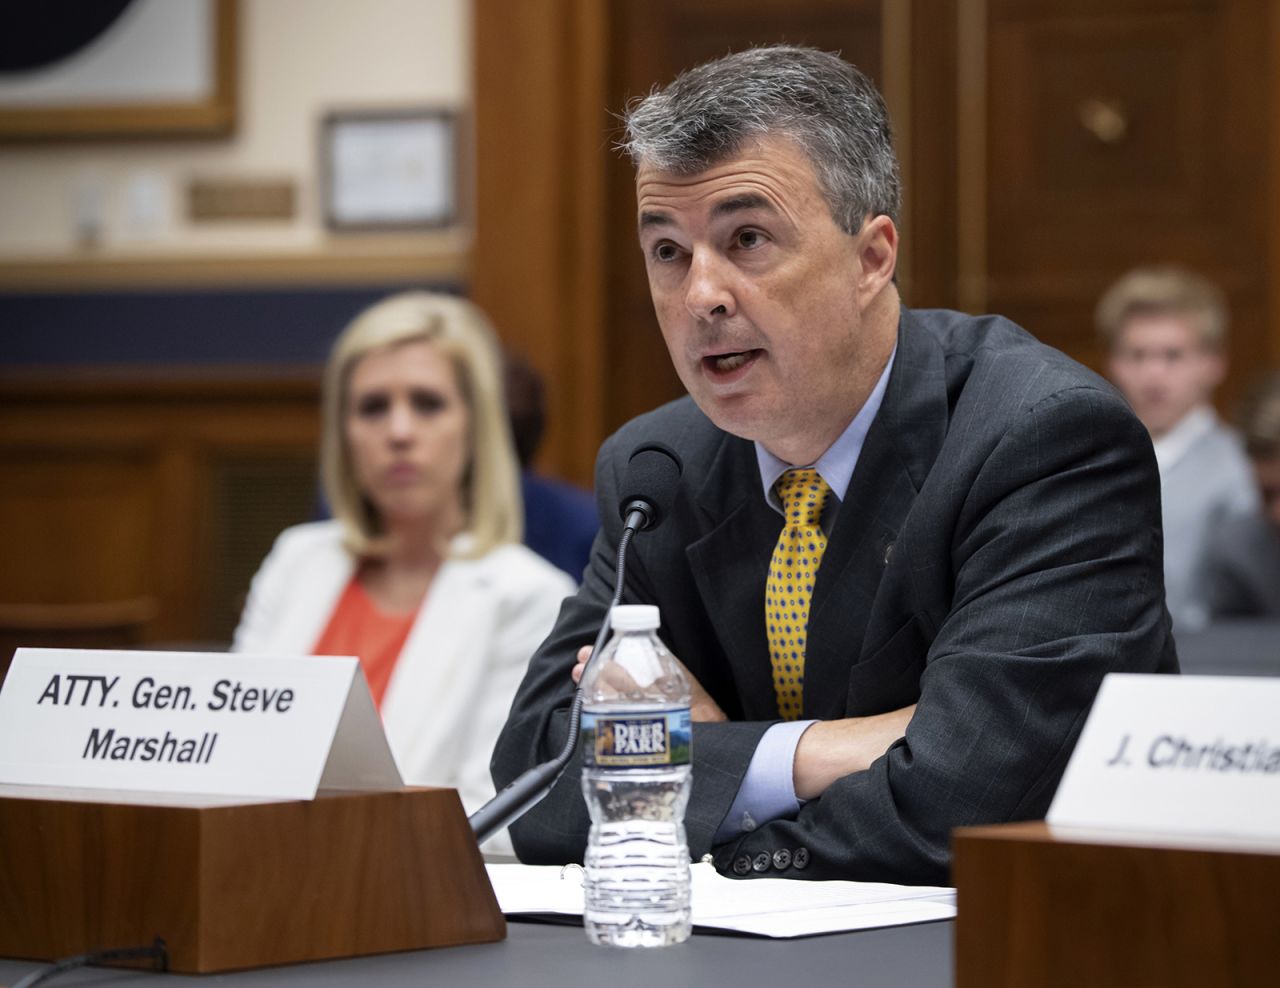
{"x":634,"y":617}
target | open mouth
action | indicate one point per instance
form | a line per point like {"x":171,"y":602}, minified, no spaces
{"x":727,"y":363}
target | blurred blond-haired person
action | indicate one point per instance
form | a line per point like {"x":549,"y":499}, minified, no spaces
{"x":420,"y":573}
{"x":1165,"y":331}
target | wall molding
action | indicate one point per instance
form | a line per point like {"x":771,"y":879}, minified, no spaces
{"x":350,"y":266}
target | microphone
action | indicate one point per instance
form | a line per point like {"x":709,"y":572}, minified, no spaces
{"x":649,"y":485}
{"x":647,"y":493}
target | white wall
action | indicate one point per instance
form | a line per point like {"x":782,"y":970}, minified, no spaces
{"x":297,"y":60}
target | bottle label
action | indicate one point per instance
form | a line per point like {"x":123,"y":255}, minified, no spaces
{"x":639,"y":739}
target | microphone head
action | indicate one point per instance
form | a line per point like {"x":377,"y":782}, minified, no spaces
{"x":651,"y":478}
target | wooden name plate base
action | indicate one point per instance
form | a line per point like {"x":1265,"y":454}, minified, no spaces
{"x":245,"y":885}
{"x":1048,"y":906}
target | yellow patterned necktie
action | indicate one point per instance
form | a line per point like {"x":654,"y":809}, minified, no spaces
{"x":789,"y":589}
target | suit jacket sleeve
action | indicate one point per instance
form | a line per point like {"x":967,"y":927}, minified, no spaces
{"x":1036,"y":573}
{"x":1055,"y":558}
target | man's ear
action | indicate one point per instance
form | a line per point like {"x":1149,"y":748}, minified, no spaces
{"x":878,"y":254}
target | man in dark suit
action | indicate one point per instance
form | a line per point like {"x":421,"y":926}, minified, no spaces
{"x":985,"y":528}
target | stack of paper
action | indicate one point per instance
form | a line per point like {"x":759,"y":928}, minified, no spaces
{"x":770,"y":907}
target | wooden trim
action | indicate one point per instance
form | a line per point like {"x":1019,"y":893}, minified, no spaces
{"x":971,"y":166}
{"x":538,"y":264}
{"x":895,"y":31}
{"x":143,"y":385}
{"x":214,"y":117}
{"x":931,"y":193}
{"x":61,"y":617}
{"x":1272,"y":299}
{"x":419,"y":262}
{"x":580,"y":405}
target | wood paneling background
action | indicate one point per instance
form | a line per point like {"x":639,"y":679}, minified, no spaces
{"x":649,"y":43}
{"x":152,"y":486}
{"x":1047,"y":146}
{"x":1121,"y":134}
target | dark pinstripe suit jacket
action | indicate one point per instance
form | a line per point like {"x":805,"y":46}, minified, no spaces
{"x":998,"y":551}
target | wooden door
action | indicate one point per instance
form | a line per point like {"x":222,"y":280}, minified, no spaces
{"x":1119,"y":135}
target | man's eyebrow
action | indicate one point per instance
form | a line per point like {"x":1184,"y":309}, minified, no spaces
{"x":648,"y":219}
{"x":740,"y":203}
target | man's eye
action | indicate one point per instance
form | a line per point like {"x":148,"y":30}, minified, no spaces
{"x":665,"y":251}
{"x":750,"y":239}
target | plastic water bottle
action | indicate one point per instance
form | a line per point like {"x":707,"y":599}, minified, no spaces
{"x":636,"y":738}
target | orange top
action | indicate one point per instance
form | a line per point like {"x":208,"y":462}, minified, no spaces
{"x":358,"y":627}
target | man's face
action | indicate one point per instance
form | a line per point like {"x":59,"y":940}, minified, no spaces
{"x":1164,"y":369}
{"x":1267,"y":474}
{"x":762,"y":297}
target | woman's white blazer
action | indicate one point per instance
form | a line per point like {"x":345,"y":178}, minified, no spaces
{"x":452,"y":686}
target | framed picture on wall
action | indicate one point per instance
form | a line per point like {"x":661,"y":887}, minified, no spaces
{"x":390,"y":169}
{"x":117,"y":68}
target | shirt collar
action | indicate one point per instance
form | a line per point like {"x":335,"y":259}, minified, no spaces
{"x":1173,"y":445}
{"x":836,"y":465}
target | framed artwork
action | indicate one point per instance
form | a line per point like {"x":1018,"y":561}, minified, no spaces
{"x":390,"y":169}
{"x":76,"y":69}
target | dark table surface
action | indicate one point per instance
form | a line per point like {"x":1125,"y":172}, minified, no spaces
{"x":1231,"y":648}
{"x":536,"y":955}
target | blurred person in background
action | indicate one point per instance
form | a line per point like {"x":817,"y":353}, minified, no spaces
{"x":1165,"y":332}
{"x":421,"y":573}
{"x":560,"y":521}
{"x":1242,"y":569}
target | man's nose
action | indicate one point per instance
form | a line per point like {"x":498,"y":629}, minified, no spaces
{"x":709,"y":294}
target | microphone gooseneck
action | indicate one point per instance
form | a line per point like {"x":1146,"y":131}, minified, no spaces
{"x":647,"y":493}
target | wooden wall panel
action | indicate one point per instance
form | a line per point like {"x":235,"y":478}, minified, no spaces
{"x":112,"y":489}
{"x":1014,"y":203}
{"x":540,"y":117}
{"x":555,"y":261}
{"x":649,"y":44}
{"x":1121,"y":135}
{"x":78,"y":525}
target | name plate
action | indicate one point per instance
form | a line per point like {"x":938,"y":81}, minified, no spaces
{"x":195,"y":723}
{"x":1177,"y":754}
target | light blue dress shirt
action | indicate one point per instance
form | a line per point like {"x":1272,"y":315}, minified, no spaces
{"x":768,"y":789}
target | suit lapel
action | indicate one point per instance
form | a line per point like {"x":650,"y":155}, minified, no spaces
{"x":729,"y":565}
{"x":900,"y":447}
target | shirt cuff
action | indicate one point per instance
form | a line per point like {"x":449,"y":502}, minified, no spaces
{"x":768,"y":789}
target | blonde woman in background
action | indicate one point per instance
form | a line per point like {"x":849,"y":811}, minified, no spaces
{"x":420,"y":573}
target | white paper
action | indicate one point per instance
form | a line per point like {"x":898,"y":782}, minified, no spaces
{"x":771,"y":907}
{"x":188,"y":723}
{"x":1193,"y":755}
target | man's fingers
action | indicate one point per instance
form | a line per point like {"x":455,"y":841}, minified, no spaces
{"x":702,"y":707}
{"x":584,"y":654}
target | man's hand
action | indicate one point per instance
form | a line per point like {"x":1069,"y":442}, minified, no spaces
{"x":701,"y":706}
{"x":832,"y":749}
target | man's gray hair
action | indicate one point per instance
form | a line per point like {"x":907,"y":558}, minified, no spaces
{"x":824,"y":104}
